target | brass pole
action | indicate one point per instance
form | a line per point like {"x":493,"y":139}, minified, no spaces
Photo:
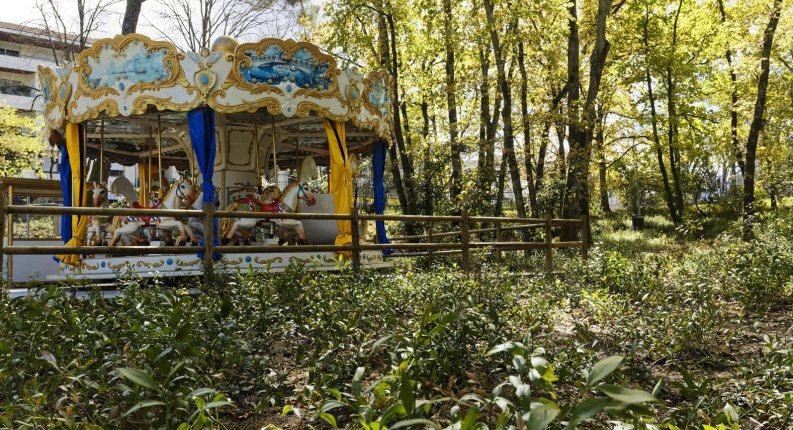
{"x":159,"y":157}
{"x":148,"y":168}
{"x":256,"y":142}
{"x":102,"y":151}
{"x":275,"y":162}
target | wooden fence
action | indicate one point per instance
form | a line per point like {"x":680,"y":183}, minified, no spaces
{"x":430,"y":247}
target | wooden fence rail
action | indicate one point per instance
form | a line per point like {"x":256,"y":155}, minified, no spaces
{"x":429,"y":248}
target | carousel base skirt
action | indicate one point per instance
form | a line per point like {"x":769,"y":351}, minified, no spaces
{"x":162,"y":265}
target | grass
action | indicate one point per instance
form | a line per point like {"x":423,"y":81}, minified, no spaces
{"x":680,"y":330}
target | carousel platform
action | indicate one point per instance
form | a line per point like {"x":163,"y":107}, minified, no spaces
{"x":162,"y":265}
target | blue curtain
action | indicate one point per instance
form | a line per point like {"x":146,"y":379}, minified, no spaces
{"x":201,"y":123}
{"x":378,"y":168}
{"x":66,"y":191}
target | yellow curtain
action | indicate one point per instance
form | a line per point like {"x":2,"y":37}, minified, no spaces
{"x":143,"y":180}
{"x":79,"y":191}
{"x":340,"y":178}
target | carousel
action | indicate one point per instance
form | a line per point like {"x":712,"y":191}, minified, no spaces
{"x":270,"y":126}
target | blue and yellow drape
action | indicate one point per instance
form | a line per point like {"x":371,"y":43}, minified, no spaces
{"x":340,"y":178}
{"x":79,"y":191}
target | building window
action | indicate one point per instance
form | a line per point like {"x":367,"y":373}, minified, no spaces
{"x":9,"y":52}
{"x":15,"y":88}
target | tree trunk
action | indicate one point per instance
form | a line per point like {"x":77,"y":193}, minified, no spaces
{"x":428,"y":168}
{"x":485,"y":172}
{"x":499,"y":208}
{"x":758,"y":122}
{"x":385,"y":61}
{"x":456,"y":183}
{"x":668,"y":198}
{"x":406,"y":162}
{"x":672,"y":129}
{"x":733,"y":97}
{"x":543,"y":149}
{"x":131,"y":15}
{"x":561,"y":157}
{"x":524,"y":111}
{"x":605,"y":207}
{"x":506,"y":113}
{"x":577,"y":189}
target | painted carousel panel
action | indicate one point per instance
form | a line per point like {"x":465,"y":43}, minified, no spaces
{"x":127,"y":74}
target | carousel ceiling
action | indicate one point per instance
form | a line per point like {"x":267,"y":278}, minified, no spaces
{"x":128,"y":87}
{"x":131,"y":140}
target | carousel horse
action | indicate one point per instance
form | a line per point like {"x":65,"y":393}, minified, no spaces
{"x":196,"y":224}
{"x":100,"y":225}
{"x":291,"y":230}
{"x":131,"y":228}
{"x":288,"y":230}
{"x":244,"y":227}
{"x":179,"y":196}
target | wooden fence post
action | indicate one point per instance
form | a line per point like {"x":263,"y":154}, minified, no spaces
{"x":429,"y":240}
{"x":209,"y":242}
{"x":465,"y":239}
{"x":548,"y":250}
{"x":498,"y":239}
{"x":356,"y":240}
{"x":584,"y":237}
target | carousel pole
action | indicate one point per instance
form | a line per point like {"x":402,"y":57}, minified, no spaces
{"x":160,"y":191}
{"x":275,"y":161}
{"x":148,"y":167}
{"x":102,"y":151}
{"x":256,"y":142}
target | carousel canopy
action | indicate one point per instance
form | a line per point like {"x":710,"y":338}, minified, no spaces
{"x":124,"y":87}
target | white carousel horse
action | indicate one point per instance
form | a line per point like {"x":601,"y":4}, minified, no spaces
{"x":130,"y":228}
{"x":291,"y":230}
{"x":178,"y":197}
{"x":100,"y":225}
{"x":288,"y":230}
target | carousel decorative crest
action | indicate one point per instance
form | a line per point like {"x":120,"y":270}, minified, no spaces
{"x":128,"y":75}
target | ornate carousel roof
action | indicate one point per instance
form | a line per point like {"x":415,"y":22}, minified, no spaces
{"x":133,"y":77}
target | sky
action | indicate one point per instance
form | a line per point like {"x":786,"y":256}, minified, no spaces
{"x":25,"y":12}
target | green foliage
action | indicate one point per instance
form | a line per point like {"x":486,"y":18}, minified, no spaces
{"x":20,"y":141}
{"x":424,"y":349}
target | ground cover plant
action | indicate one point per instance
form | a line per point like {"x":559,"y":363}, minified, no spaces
{"x":656,"y":330}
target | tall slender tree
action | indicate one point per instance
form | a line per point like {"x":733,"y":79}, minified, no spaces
{"x":506,"y":113}
{"x":758,"y":121}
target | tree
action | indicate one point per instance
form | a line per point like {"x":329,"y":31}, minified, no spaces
{"x":659,"y":153}
{"x":131,"y":15}
{"x":506,"y":113}
{"x":581,"y":125}
{"x":63,"y":35}
{"x":20,"y":142}
{"x":758,"y":121}
{"x":451,"y":100}
{"x":194,"y":24}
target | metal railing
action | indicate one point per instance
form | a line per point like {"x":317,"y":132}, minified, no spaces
{"x":429,"y":248}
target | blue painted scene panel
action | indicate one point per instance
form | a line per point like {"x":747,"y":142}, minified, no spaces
{"x":135,"y":64}
{"x":274,"y":67}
